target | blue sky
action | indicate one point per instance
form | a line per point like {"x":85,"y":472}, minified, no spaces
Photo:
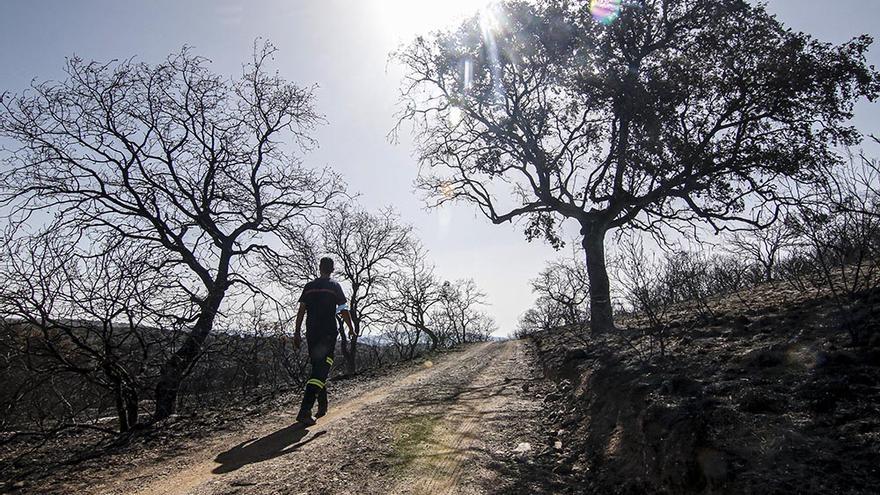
{"x":342,"y":46}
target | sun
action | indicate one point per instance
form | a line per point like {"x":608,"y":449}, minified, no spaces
{"x":404,"y":19}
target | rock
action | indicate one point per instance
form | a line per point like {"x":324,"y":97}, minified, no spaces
{"x":840,"y":358}
{"x":679,"y":385}
{"x":824,"y":401}
{"x":872,"y":357}
{"x":741,"y":322}
{"x":733,"y":370}
{"x":523,"y":447}
{"x":557,"y":445}
{"x":708,"y":403}
{"x":572,"y":420}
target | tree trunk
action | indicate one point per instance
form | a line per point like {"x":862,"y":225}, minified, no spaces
{"x":435,"y":341}
{"x":601,"y":317}
{"x":125,"y":395}
{"x":121,"y":412}
{"x":174,"y":370}
{"x":414,"y":344}
{"x":131,"y":404}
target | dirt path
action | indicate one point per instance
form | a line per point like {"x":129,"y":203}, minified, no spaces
{"x":455,"y":426}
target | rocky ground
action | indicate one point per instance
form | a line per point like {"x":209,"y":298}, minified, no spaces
{"x":761,"y":392}
{"x":468,"y":423}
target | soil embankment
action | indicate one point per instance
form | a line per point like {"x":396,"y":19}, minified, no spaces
{"x":759,"y":393}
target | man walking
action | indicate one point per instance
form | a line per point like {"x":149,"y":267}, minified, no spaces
{"x":321,"y":300}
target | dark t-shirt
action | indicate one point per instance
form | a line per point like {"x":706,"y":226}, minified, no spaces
{"x":321,"y":297}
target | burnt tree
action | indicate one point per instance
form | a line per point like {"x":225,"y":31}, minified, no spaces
{"x":171,"y":156}
{"x":670,"y":113}
{"x":413,"y":290}
{"x":88,"y":314}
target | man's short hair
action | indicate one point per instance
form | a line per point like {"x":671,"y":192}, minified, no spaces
{"x":326,"y":265}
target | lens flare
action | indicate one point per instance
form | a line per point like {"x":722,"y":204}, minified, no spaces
{"x":490,"y":24}
{"x":447,"y":190}
{"x":605,"y":11}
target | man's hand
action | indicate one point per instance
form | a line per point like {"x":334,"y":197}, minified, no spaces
{"x":346,"y":317}
{"x":300,"y":314}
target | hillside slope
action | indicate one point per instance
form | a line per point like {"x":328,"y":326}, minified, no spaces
{"x":762,"y":394}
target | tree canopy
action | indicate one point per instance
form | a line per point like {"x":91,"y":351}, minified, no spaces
{"x":673,"y":112}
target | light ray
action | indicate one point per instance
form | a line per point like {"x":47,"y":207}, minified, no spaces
{"x":490,"y":23}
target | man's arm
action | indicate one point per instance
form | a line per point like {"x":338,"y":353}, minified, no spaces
{"x":346,"y":317}
{"x":342,"y":308}
{"x":300,"y":313}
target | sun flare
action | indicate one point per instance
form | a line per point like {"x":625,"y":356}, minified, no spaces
{"x":407,"y":18}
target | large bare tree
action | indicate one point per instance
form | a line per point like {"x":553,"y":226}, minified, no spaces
{"x":671,"y":113}
{"x":367,"y":248}
{"x":174,"y":157}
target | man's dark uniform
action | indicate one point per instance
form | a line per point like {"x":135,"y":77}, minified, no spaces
{"x":321,"y":297}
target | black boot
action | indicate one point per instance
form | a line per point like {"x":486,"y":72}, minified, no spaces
{"x":305,"y":410}
{"x":322,"y":403}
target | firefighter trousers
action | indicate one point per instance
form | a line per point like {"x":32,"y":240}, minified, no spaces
{"x":321,"y":350}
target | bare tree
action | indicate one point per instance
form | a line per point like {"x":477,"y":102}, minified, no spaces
{"x":762,"y":246}
{"x":413,"y":291}
{"x":678,"y":112}
{"x":545,"y":314}
{"x":85,"y":314}
{"x":565,"y":282}
{"x":404,"y":338}
{"x":637,"y":276}
{"x":368,"y":248}
{"x":838,"y":229}
{"x":458,"y":317}
{"x":175,"y":158}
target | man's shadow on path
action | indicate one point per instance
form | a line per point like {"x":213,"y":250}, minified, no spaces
{"x":274,"y":445}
